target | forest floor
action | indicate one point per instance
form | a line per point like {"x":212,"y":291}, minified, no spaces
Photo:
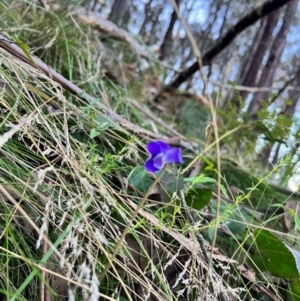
{"x":81,"y":216}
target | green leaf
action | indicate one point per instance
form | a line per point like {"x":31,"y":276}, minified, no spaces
{"x":25,"y":48}
{"x":201,"y":179}
{"x":94,"y":133}
{"x":139,"y":179}
{"x":198,"y":198}
{"x":297,"y":221}
{"x":224,"y":191}
{"x":294,"y":289}
{"x":104,"y":122}
{"x":273,"y":255}
{"x":170,"y":184}
{"x":103,"y":126}
{"x":100,"y":127}
{"x":296,"y":255}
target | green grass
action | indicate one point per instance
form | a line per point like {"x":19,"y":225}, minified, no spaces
{"x":71,"y":179}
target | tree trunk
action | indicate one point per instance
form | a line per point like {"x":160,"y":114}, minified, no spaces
{"x":294,"y":95}
{"x":251,"y":50}
{"x":267,"y":76}
{"x":118,"y":10}
{"x":213,"y":18}
{"x":255,"y":63}
{"x":156,"y":23}
{"x":147,"y":19}
{"x":222,"y":42}
{"x":167,"y":42}
{"x":201,"y":37}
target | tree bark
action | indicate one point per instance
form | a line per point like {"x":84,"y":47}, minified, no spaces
{"x":223,"y":42}
{"x":147,"y":19}
{"x":268,"y":73}
{"x":201,"y":36}
{"x":213,"y":18}
{"x":167,"y":42}
{"x":118,"y":10}
{"x":156,"y":24}
{"x":255,"y":63}
{"x":294,"y":96}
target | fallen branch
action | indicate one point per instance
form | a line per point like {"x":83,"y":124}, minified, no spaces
{"x":110,"y":28}
{"x":16,"y":51}
{"x":106,"y":26}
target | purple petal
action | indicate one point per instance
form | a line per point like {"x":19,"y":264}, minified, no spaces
{"x":173,"y":155}
{"x":158,"y":161}
{"x":157,"y":147}
{"x":150,"y":165}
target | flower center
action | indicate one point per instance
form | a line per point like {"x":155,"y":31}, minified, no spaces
{"x":158,"y":161}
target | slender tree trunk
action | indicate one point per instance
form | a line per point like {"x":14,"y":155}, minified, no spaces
{"x":148,"y":16}
{"x":202,"y":37}
{"x":207,"y":31}
{"x":167,"y":41}
{"x":236,"y":96}
{"x":225,"y":17}
{"x":222,"y":42}
{"x":268,"y":73}
{"x":156,"y":24}
{"x":118,"y":10}
{"x":255,"y":63}
{"x":252,"y":49}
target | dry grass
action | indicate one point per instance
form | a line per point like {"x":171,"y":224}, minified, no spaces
{"x":71,"y":226}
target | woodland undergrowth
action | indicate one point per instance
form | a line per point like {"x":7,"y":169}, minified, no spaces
{"x":73,"y":150}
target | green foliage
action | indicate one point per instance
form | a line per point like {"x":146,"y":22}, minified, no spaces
{"x":94,"y":173}
{"x":272,"y":255}
{"x":198,"y":198}
{"x":139,"y":179}
{"x":193,"y":119}
{"x":294,"y":289}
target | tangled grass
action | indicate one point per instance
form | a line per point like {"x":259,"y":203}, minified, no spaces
{"x":71,"y":169}
{"x":66,"y":201}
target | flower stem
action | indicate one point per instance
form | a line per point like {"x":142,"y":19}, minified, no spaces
{"x":135,"y":213}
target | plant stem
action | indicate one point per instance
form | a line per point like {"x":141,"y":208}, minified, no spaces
{"x":135,"y":213}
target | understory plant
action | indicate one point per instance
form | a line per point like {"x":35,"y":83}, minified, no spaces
{"x":101,"y":199}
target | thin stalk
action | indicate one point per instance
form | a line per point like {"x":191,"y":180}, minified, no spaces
{"x":135,"y":213}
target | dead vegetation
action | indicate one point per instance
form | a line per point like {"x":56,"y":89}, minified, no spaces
{"x":74,"y":126}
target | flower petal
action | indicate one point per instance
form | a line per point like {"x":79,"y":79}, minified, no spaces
{"x":158,"y":161}
{"x":156,"y":147}
{"x":151,"y":166}
{"x":173,"y":155}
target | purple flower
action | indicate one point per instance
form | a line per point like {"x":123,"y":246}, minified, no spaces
{"x":161,"y":153}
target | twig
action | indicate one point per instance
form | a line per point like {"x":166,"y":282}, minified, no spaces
{"x":254,"y":89}
{"x":249,"y":275}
